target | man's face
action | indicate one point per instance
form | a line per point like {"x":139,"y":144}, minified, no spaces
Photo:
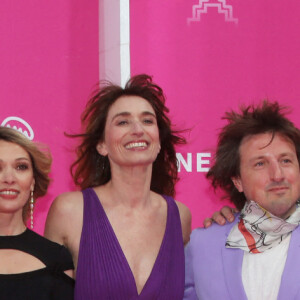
{"x":269,"y":173}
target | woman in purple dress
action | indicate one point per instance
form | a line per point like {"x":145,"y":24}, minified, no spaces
{"x":124,"y":230}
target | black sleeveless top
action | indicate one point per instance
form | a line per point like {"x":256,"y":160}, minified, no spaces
{"x":47,"y":283}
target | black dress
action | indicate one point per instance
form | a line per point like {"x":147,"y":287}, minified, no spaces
{"x":47,"y":283}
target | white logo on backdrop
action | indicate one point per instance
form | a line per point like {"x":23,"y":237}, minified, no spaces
{"x":223,"y":8}
{"x":200,"y":160}
{"x":19,"y":125}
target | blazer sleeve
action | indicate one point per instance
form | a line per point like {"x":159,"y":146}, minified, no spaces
{"x":189,"y":287}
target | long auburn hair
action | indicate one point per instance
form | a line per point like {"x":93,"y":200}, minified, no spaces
{"x":91,"y":169}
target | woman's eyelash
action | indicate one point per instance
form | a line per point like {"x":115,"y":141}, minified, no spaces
{"x":122,"y":122}
{"x":22,"y":167}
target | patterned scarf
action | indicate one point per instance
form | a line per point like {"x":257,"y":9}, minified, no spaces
{"x":258,"y":230}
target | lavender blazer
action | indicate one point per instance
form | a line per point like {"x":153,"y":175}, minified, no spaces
{"x":215,"y":272}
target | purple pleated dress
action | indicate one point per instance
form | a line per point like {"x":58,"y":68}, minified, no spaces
{"x":103,"y":271}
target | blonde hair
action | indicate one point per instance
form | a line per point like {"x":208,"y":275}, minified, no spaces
{"x":40,"y":158}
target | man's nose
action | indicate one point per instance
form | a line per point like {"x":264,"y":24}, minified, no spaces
{"x":276,"y":173}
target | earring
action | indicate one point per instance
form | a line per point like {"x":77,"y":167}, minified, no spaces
{"x":31,"y":209}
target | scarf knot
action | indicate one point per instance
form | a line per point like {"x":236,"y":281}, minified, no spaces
{"x":258,"y":230}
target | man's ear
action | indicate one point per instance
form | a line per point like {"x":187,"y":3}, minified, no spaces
{"x":237,"y":183}
{"x":101,"y":148}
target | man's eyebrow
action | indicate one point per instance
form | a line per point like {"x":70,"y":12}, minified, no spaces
{"x":288,"y":154}
{"x":257,"y":157}
{"x":280,"y":155}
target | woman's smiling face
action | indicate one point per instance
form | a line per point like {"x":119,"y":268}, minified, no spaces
{"x":131,"y":133}
{"x":16,"y":177}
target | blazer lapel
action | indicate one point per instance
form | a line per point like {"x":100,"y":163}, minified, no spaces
{"x":289,"y":286}
{"x":232,"y":262}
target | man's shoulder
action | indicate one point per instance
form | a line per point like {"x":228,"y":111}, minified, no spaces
{"x":214,"y":233}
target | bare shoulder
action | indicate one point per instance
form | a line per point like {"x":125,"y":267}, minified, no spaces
{"x":184,"y":211}
{"x":66,"y":205}
{"x":64,"y":217}
{"x":186,"y":219}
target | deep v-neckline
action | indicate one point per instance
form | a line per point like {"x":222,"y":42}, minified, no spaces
{"x":121,"y":252}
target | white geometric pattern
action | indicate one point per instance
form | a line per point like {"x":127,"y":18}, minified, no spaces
{"x":221,"y":5}
{"x":20,"y":125}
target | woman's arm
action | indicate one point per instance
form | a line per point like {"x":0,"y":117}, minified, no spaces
{"x":186,"y":220}
{"x":64,"y":222}
{"x":56,"y":228}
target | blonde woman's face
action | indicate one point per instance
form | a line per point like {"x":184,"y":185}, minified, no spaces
{"x":16,"y":178}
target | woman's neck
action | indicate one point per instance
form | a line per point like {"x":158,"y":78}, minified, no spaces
{"x":11,"y":224}
{"x":130,"y":185}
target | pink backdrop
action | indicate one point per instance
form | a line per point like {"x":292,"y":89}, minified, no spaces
{"x":49,"y":65}
{"x":227,"y":53}
{"x":213,"y":63}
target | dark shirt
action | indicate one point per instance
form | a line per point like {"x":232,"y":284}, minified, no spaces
{"x":47,"y":283}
